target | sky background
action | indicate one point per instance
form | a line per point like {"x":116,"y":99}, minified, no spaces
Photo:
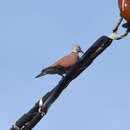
{"x":34,"y":34}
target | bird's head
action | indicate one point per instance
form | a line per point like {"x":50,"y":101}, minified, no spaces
{"x":77,"y":49}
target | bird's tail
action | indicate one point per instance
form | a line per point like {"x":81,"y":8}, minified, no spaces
{"x":39,"y":75}
{"x":42,"y":73}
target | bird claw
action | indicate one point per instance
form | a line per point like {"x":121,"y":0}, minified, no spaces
{"x":114,"y":35}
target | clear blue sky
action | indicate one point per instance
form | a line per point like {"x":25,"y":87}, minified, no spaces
{"x":34,"y":34}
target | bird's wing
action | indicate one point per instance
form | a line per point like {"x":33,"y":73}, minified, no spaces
{"x":68,"y":60}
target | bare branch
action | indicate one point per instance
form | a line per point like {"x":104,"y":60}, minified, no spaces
{"x":31,"y":118}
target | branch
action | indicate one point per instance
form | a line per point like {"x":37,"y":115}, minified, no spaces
{"x":31,"y":118}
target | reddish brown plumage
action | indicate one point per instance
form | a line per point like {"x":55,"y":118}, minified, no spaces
{"x":63,"y":65}
{"x":68,"y":60}
{"x":124,"y":6}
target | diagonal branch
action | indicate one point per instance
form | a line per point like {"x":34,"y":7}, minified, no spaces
{"x":31,"y":118}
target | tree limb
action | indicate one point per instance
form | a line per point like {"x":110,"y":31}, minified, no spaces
{"x":31,"y":118}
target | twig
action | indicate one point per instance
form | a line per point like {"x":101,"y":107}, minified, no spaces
{"x":114,"y":35}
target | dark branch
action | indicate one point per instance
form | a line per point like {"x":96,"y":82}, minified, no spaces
{"x":29,"y":120}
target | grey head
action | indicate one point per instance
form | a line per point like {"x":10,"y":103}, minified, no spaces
{"x":77,"y":49}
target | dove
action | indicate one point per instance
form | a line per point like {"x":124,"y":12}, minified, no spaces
{"x":62,"y":66}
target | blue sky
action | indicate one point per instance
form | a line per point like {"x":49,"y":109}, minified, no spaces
{"x":34,"y":34}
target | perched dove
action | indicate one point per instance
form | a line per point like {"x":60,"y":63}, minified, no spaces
{"x":63,"y":65}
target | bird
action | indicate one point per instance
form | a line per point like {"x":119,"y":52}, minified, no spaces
{"x":62,"y":66}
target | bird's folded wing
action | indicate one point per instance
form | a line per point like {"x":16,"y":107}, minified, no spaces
{"x":67,"y":61}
